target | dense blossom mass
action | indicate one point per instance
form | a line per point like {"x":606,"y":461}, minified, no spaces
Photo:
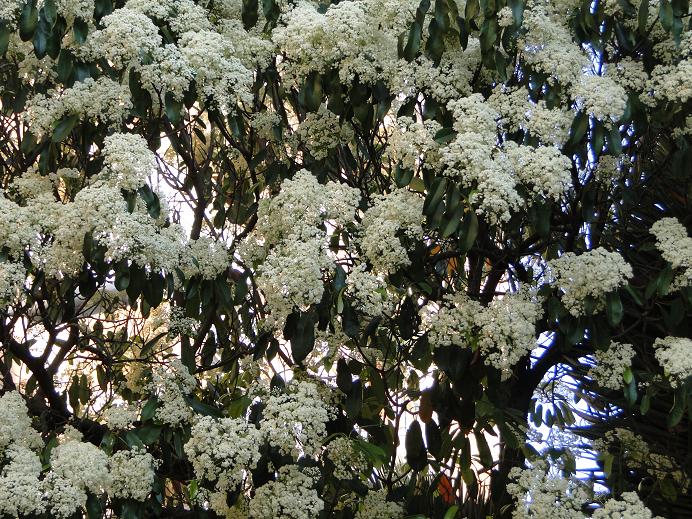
{"x":354,"y":259}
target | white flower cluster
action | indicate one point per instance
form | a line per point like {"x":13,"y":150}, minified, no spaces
{"x":128,"y":160}
{"x":82,"y":464}
{"x":369,"y":292}
{"x":391,"y":217}
{"x":223,"y":450}
{"x":550,"y":125}
{"x":592,"y":274}
{"x":449,"y":80}
{"x":290,"y":241}
{"x":120,"y":416}
{"x":15,"y":424}
{"x":21,"y":492}
{"x":674,"y":354}
{"x":9,"y":12}
{"x":219,"y":75}
{"x":376,"y":506}
{"x":341,"y":38}
{"x":131,"y":474}
{"x":181,"y":15}
{"x":628,"y":507}
{"x":295,"y":420}
{"x":636,"y":454}
{"x":291,"y":496}
{"x":453,"y":322}
{"x":548,"y":46}
{"x":676,"y":248}
{"x":601,"y":97}
{"x":168,"y":73}
{"x":545,"y":169}
{"x":171,"y":383}
{"x":12,"y":279}
{"x":71,"y":9}
{"x":127,"y":37}
{"x":630,"y":75}
{"x":102,"y":100}
{"x":542,"y":494}
{"x":671,"y":82}
{"x":610,"y":365}
{"x":411,"y":143}
{"x":348,"y":461}
{"x":322,"y":131}
{"x":507,"y":329}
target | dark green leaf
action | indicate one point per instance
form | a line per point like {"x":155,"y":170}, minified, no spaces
{"x":28,"y":19}
{"x":303,"y":338}
{"x":62,"y":128}
{"x":415,"y":448}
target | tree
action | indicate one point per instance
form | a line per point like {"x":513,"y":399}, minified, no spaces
{"x":340,"y":260}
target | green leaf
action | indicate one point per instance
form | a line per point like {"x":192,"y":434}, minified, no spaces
{"x":80,"y":29}
{"x":451,"y":512}
{"x":28,"y":19}
{"x":149,"y":409}
{"x":468,"y":232}
{"x":412,"y":47}
{"x":678,"y":410}
{"x":415,"y":448}
{"x":249,"y":14}
{"x":665,"y":14}
{"x":579,"y":127}
{"x":4,"y":38}
{"x":93,"y":507}
{"x":63,"y":127}
{"x":174,"y":108}
{"x":433,"y":438}
{"x":643,"y":16}
{"x":645,"y":404}
{"x":41,"y":35}
{"x":343,"y":376}
{"x":303,"y":337}
{"x":614,"y":308}
{"x":149,"y":433}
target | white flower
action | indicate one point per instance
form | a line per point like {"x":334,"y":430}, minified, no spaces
{"x":97,"y":100}
{"x":676,"y":248}
{"x":321,"y":132}
{"x":20,"y":489}
{"x":171,"y":383}
{"x":12,"y":279}
{"x":120,"y":417}
{"x":348,"y":461}
{"x":601,"y":97}
{"x":376,"y":506}
{"x":541,"y":494}
{"x":674,"y":354}
{"x":453,"y":322}
{"x":63,"y":497}
{"x":132,"y":474}
{"x":628,"y":507}
{"x":611,"y":363}
{"x":508,"y":329}
{"x":84,"y":465}
{"x":295,"y":420}
{"x":15,"y":423}
{"x":392,"y":216}
{"x":220,"y":76}
{"x":127,"y":37}
{"x":128,"y":160}
{"x":223,"y":450}
{"x":292,"y":496}
{"x":592,"y":274}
